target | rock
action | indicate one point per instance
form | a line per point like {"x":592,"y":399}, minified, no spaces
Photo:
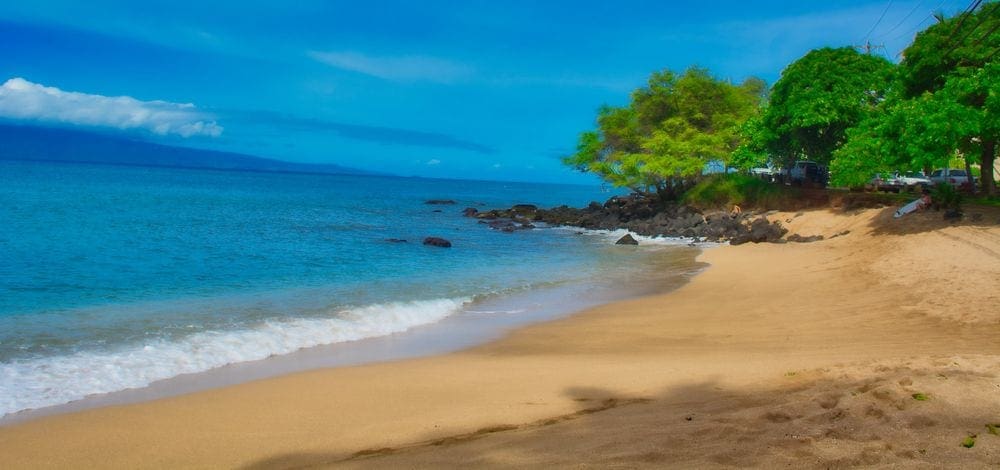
{"x":760,"y":230}
{"x":627,"y":240}
{"x":508,"y":225}
{"x":840,"y":234}
{"x":395,"y":240}
{"x":800,"y":239}
{"x":435,"y":241}
{"x":437,"y":210}
{"x":439,"y":201}
{"x":952,"y":214}
{"x":470,"y":211}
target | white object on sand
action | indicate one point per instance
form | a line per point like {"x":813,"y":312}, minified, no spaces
{"x":907,"y":209}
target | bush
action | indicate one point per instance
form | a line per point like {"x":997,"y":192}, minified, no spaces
{"x":729,"y":189}
{"x":946,"y":196}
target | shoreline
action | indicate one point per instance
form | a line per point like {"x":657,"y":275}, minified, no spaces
{"x":794,"y":354}
{"x":477,"y":322}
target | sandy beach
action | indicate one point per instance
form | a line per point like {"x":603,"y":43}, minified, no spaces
{"x":877,"y":347}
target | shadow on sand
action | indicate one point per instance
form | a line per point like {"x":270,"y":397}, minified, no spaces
{"x":888,"y":413}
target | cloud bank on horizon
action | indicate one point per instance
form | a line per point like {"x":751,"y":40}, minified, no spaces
{"x":21,"y":99}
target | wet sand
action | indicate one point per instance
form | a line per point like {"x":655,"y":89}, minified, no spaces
{"x":811,"y":355}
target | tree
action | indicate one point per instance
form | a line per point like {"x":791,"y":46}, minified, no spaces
{"x":952,"y":68}
{"x":671,"y":128}
{"x":818,"y":98}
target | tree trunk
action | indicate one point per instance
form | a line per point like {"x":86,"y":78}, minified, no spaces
{"x":986,"y":168}
{"x":968,"y":176}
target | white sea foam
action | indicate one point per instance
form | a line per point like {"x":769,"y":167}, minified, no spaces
{"x":613,"y":236}
{"x":40,"y":382}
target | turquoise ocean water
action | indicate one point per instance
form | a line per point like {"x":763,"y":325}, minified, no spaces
{"x":115,"y":277}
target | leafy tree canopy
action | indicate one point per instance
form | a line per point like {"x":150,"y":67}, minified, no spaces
{"x":950,"y":73}
{"x":818,"y":98}
{"x":671,"y":128}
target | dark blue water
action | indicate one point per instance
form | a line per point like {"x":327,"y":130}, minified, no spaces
{"x":114,"y":277}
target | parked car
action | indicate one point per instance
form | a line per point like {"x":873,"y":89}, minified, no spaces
{"x":808,"y":173}
{"x":912,"y":180}
{"x":765,"y":173}
{"x":952,"y":176}
{"x":884,"y":182}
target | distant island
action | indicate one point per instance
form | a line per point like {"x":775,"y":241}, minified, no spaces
{"x":34,"y":143}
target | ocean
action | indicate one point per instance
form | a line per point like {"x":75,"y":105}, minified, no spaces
{"x":115,"y":278}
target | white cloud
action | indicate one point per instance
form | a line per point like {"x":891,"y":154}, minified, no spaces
{"x":408,"y":68}
{"x":433,"y":161}
{"x":24,"y":100}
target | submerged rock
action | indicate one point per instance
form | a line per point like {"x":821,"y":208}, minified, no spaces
{"x":436,"y":241}
{"x":395,"y":240}
{"x":439,"y":201}
{"x":470,"y":211}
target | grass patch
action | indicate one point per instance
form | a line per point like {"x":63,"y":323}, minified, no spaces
{"x":993,"y":201}
{"x":993,"y":429}
{"x":969,"y":441}
{"x":726,"y":190}
{"x":920,"y":396}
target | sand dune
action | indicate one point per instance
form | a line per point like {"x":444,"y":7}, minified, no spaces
{"x":877,"y":347}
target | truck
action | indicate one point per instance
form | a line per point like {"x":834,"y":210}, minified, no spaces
{"x":807,"y":173}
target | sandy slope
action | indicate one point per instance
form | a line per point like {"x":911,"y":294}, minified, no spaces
{"x":799,"y":354}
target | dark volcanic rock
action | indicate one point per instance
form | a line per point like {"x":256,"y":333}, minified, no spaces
{"x":643,"y":215}
{"x":435,"y":241}
{"x":508,"y":225}
{"x":439,"y":201}
{"x":800,"y":239}
{"x":470,"y":211}
{"x":395,"y":240}
{"x":760,"y":230}
{"x":627,"y":240}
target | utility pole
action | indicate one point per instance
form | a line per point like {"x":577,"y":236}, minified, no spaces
{"x":869,"y":48}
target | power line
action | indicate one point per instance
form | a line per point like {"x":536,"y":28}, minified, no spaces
{"x":908,"y":15}
{"x":921,"y":23}
{"x":988,"y":33}
{"x":961,"y":19}
{"x":982,"y":20}
{"x":886,"y":10}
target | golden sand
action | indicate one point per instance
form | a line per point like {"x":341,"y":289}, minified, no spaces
{"x":880,"y":346}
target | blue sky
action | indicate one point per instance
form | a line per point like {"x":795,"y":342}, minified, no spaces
{"x":463,"y":89}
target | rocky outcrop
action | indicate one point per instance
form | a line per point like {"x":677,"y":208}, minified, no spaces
{"x":627,"y":239}
{"x":435,"y":241}
{"x":804,"y":239}
{"x":508,"y":225}
{"x":643,"y":216}
{"x":470,"y":211}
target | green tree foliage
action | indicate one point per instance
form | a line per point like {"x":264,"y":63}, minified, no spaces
{"x":951,"y":73}
{"x":817,"y":99}
{"x":668,"y":132}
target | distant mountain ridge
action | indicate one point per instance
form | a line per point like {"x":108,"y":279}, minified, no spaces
{"x":34,"y":143}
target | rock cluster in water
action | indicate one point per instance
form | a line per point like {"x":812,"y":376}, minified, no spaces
{"x":641,"y":215}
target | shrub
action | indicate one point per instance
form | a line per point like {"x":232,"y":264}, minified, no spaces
{"x":729,"y":189}
{"x":946,"y":196}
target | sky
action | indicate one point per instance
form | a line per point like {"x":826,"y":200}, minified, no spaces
{"x":463,"y":89}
